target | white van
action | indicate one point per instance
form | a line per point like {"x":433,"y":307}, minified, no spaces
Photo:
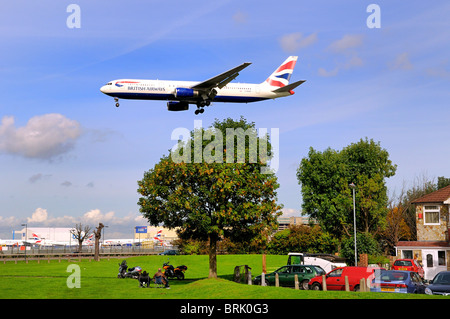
{"x":326,"y":261}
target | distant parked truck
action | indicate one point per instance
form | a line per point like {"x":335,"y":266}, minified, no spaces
{"x":326,"y":261}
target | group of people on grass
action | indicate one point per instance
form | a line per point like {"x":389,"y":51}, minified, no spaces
{"x":159,"y":278}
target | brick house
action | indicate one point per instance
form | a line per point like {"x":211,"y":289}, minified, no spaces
{"x":432,"y":247}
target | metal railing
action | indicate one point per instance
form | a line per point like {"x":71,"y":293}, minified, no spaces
{"x":72,"y":251}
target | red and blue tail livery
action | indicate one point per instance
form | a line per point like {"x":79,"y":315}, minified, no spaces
{"x":282,"y":75}
{"x":180,"y":94}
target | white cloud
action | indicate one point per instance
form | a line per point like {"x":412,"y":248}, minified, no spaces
{"x":348,"y":41}
{"x":38,"y":177}
{"x":8,"y":221}
{"x":295,"y":41}
{"x":40,"y":215}
{"x":346,"y":48}
{"x":45,"y":136}
{"x":325,"y":73}
{"x":291,"y":212}
{"x":442,"y":70}
{"x":239,"y":17}
{"x":95,"y":216}
{"x":401,"y":62}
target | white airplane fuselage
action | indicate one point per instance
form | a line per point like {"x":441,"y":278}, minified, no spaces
{"x":166,"y":90}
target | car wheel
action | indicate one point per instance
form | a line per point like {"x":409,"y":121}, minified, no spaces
{"x":267,"y":283}
{"x":356,"y":288}
{"x":316,"y":286}
{"x":304,"y":284}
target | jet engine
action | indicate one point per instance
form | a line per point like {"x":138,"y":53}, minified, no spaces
{"x":185,"y":92}
{"x":177,"y":106}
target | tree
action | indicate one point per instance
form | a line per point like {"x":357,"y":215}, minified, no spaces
{"x":98,"y":235}
{"x":80,"y":233}
{"x":442,"y":182}
{"x":304,"y":239}
{"x":207,"y":191}
{"x":422,"y":185}
{"x":366,"y":244}
{"x":327,"y":197}
{"x":396,"y":227}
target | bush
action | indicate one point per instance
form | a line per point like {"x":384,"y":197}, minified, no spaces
{"x":302,"y":238}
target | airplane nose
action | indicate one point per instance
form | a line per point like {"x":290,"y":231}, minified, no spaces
{"x":103,"y":89}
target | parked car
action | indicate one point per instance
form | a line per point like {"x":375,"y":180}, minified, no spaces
{"x":440,"y":285}
{"x":169,"y":252}
{"x":398,"y":281}
{"x":335,"y":279}
{"x":409,"y":265}
{"x":286,"y":275}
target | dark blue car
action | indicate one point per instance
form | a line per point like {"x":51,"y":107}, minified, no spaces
{"x":398,"y":281}
{"x":440,"y":285}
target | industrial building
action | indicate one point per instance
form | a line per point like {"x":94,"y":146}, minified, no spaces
{"x":59,"y":234}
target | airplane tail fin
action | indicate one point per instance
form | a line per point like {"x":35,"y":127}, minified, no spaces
{"x":281,"y":76}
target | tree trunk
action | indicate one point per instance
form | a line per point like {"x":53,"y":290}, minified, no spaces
{"x":96,"y":249}
{"x":212,"y":256}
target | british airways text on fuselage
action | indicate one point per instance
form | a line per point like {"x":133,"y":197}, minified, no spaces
{"x":146,"y":88}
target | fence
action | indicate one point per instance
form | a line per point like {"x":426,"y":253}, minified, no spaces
{"x":71,"y":251}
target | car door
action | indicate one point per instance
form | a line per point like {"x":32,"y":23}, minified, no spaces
{"x":418,"y":283}
{"x":335,"y":281}
{"x":283,"y":275}
{"x":300,"y":271}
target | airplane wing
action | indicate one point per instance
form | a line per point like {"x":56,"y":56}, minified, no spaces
{"x":222,"y":79}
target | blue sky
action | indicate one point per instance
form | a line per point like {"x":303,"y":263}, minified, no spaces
{"x":67,"y":154}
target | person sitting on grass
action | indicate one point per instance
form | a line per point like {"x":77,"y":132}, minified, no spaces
{"x":159,"y":277}
{"x":144,"y":280}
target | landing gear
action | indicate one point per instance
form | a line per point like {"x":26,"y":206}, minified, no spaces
{"x":117,"y":101}
{"x":199,"y":111}
{"x":200,"y":106}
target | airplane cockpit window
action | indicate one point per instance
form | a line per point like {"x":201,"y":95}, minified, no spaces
{"x":109,"y":83}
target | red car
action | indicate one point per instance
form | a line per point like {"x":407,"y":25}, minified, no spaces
{"x":335,"y":279}
{"x":409,"y":265}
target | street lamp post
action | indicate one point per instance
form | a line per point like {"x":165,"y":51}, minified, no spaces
{"x":353,"y":186}
{"x":103,"y":244}
{"x":25,"y":242}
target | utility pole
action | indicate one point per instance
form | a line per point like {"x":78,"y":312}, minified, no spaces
{"x":353,"y":186}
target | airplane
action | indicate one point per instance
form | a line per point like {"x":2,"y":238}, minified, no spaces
{"x":118,"y":242}
{"x":34,"y":240}
{"x":158,"y":239}
{"x":180,"y":94}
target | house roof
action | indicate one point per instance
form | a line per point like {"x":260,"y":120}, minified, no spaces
{"x":423,"y":244}
{"x":439,"y":196}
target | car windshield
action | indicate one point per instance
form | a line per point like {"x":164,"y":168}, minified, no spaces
{"x":391,"y":275}
{"x":442,"y":279}
{"x":320,"y":271}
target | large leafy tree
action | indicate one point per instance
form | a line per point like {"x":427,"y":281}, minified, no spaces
{"x":206,"y":193}
{"x":327,"y":197}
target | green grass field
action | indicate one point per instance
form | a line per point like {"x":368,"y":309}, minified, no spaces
{"x":99,"y":280}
